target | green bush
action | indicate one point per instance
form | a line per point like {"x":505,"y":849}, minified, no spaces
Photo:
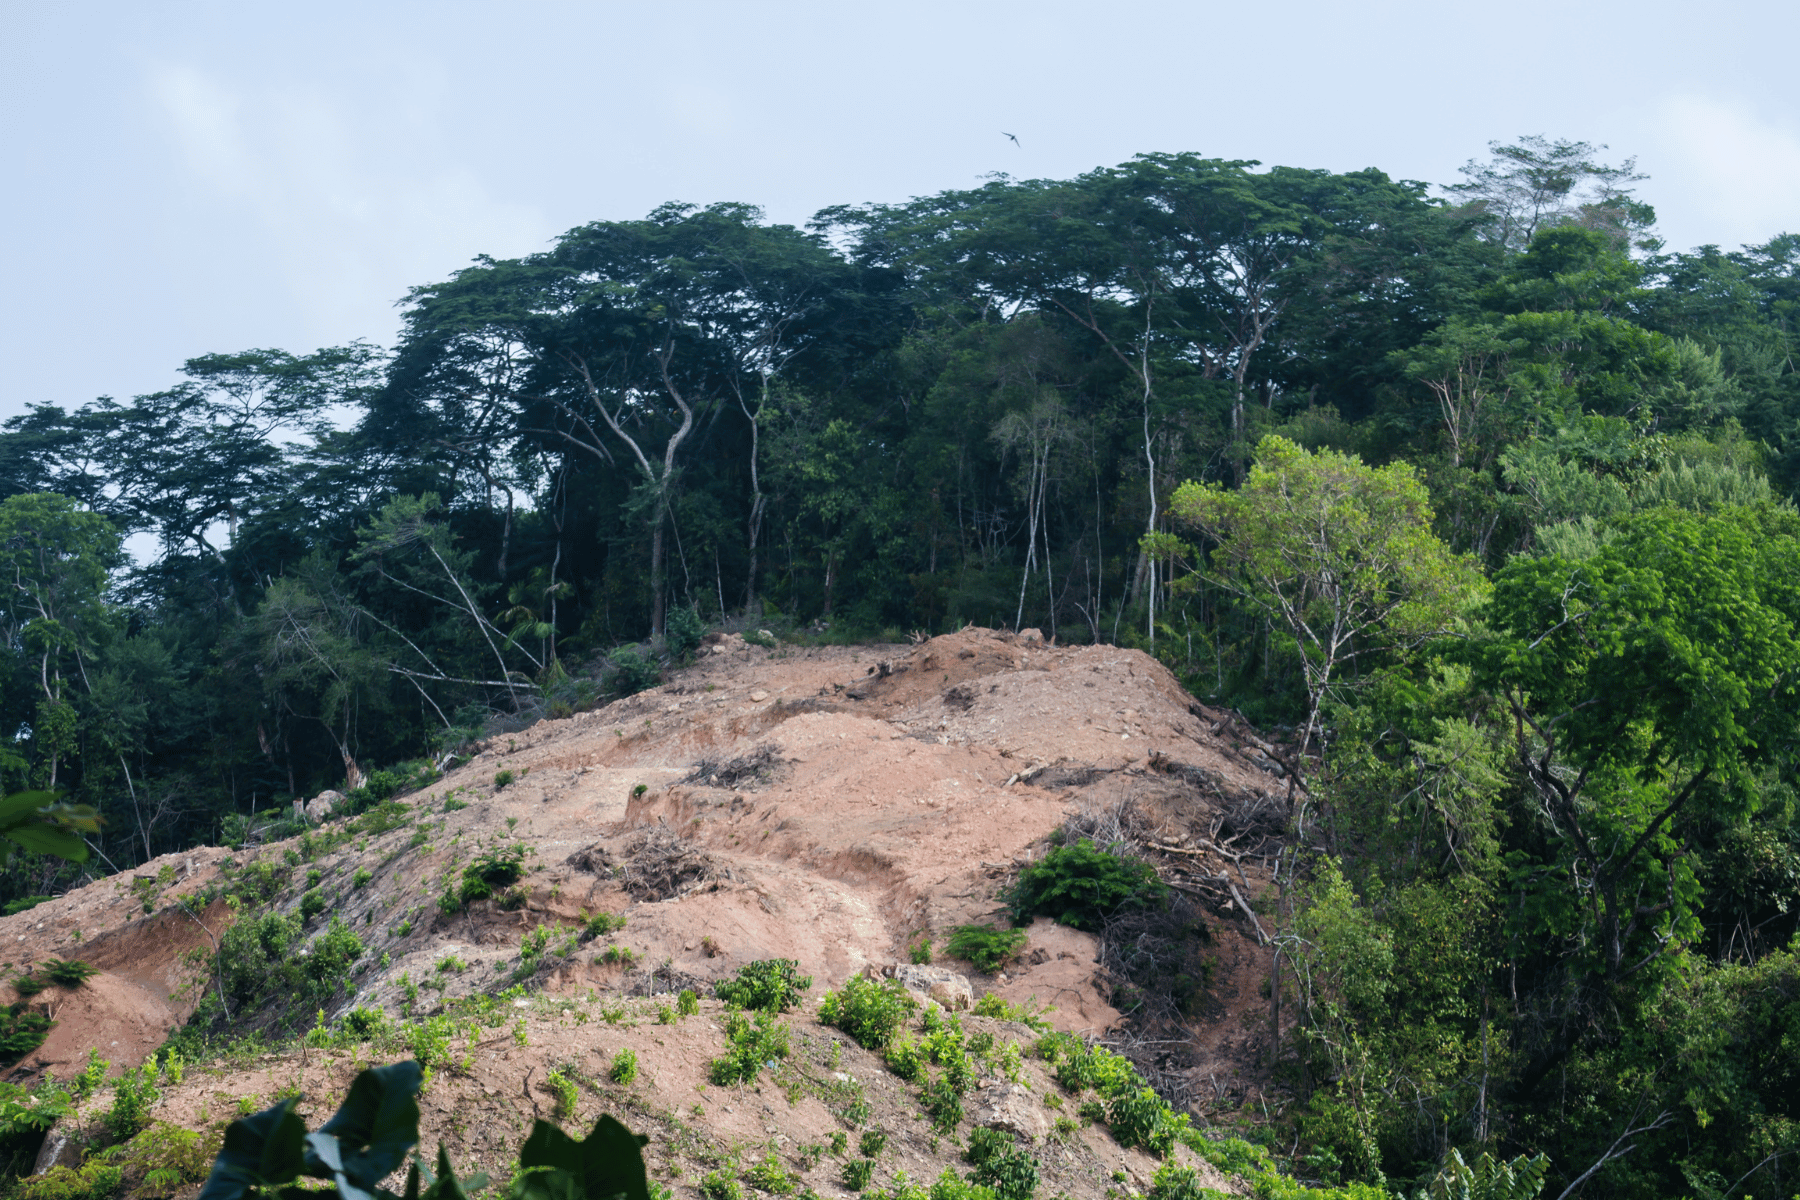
{"x":906,"y":1058}
{"x":1141,"y":1118}
{"x":1001,"y":1165}
{"x":503,"y":779}
{"x":601,"y":924}
{"x":870,"y":1012}
{"x":857,"y":1173}
{"x":133,"y":1095}
{"x":624,"y":1069}
{"x":333,"y":953}
{"x":630,"y":672}
{"x":687,"y":1004}
{"x":92,"y":1180}
{"x":683,"y":630}
{"x":988,"y":948}
{"x":768,"y":1175}
{"x":919,"y":953}
{"x":872,"y":1143}
{"x":492,"y":870}
{"x":750,"y":1045}
{"x":767,"y":985}
{"x":951,"y":1186}
{"x":1082,"y":885}
{"x":942,"y":1101}
{"x":13,"y":908}
{"x":68,"y":973}
{"x":312,"y":904}
{"x":1176,"y":1182}
{"x":21,"y":1032}
{"x":720,"y":1185}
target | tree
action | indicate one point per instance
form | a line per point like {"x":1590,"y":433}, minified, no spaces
{"x":1536,"y":183}
{"x":1337,"y":553}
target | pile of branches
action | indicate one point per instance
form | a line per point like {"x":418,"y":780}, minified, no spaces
{"x":661,"y":866}
{"x":758,"y":768}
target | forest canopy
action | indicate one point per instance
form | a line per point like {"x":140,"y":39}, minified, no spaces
{"x":1478,"y":496}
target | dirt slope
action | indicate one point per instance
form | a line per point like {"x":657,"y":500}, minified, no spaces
{"x":828,"y":805}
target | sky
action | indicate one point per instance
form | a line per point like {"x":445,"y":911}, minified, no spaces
{"x":190,"y":178}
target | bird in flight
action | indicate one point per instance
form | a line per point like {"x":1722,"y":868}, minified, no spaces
{"x":1015,"y":140}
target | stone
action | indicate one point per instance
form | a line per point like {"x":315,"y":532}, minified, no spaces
{"x":1010,"y":1108}
{"x":951,"y":991}
{"x":321,"y":805}
{"x":758,"y":696}
{"x":1031,"y":637}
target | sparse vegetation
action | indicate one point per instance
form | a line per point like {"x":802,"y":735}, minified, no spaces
{"x":987,"y":948}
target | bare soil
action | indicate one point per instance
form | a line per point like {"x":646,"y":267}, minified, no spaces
{"x":830,"y":805}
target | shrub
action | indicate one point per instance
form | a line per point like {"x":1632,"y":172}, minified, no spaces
{"x":872,"y":1142}
{"x":21,"y":1032}
{"x":30,"y":985}
{"x":870,"y":1012}
{"x":991,"y":1005}
{"x":92,"y":1180}
{"x":492,"y":869}
{"x":13,"y":908}
{"x":133,"y":1095}
{"x":565,"y":1091}
{"x":1082,"y":885}
{"x":1110,"y":1074}
{"x":950,"y":1186}
{"x":333,"y":953}
{"x":68,"y":973}
{"x":361,"y":879}
{"x":682,"y":631}
{"x":750,"y":1046}
{"x":767,"y":985}
{"x":624,"y":1069}
{"x":720,"y":1185}
{"x":768,"y":1175}
{"x":631,"y":672}
{"x":857,"y":1173}
{"x":312,"y":904}
{"x":1176,"y":1182}
{"x":905,"y":1057}
{"x":942,"y":1100}
{"x":1140,"y":1118}
{"x":502,"y":779}
{"x":687,"y":1004}
{"x":1001,"y":1165}
{"x":919,"y":953}
{"x":988,"y":948}
{"x":165,"y":1157}
{"x":601,"y":924}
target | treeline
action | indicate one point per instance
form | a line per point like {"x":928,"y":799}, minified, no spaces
{"x":983,"y":406}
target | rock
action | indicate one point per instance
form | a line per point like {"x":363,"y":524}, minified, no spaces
{"x":58,"y":1150}
{"x":321,"y":805}
{"x":951,"y":991}
{"x":1031,"y":637}
{"x":758,"y":696}
{"x":1012,"y":1109}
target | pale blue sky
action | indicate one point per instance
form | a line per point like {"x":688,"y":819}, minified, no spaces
{"x":193,"y":177}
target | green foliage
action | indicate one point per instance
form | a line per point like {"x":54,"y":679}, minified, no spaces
{"x":768,"y":1175}
{"x":721,"y":1184}
{"x":1174,"y":1181}
{"x":21,"y":1032}
{"x":1489,"y":1179}
{"x":1001,"y":1164}
{"x":92,"y":1180}
{"x":991,"y":1005}
{"x":856,"y":1174}
{"x":630,"y":671}
{"x":1142,"y":1118}
{"x":766,"y":985}
{"x":750,"y":1046}
{"x":564,"y":1089}
{"x":68,"y":973}
{"x":951,"y":1186}
{"x":601,"y":924}
{"x":687,"y":1004}
{"x":503,"y":779}
{"x":684,"y":630}
{"x":868,"y":1011}
{"x":872,"y":1142}
{"x":919,"y":952}
{"x":624,"y":1069}
{"x":312,"y":904}
{"x":134,"y":1093}
{"x":988,"y":948}
{"x":491,"y":870}
{"x":1081,"y":885}
{"x":13,"y":908}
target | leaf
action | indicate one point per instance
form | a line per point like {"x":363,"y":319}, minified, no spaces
{"x":609,"y":1162}
{"x":265,"y":1150}
{"x":446,"y":1186}
{"x":48,"y":839}
{"x":370,"y":1135}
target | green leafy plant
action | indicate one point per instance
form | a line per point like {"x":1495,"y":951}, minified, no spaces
{"x":68,"y":973}
{"x":601,"y":924}
{"x":312,"y":904}
{"x":768,"y":1175}
{"x":1081,"y":885}
{"x":988,"y":948}
{"x":503,"y":779}
{"x":870,"y":1012}
{"x":133,"y":1095}
{"x":687,"y":1004}
{"x":919,"y":953}
{"x":750,"y":1046}
{"x":872,"y":1142}
{"x":857,"y":1173}
{"x":565,"y":1091}
{"x":361,"y":878}
{"x":1001,"y":1164}
{"x":624,"y":1069}
{"x":767,"y":985}
{"x":491,"y":870}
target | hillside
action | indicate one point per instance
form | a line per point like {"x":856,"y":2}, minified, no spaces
{"x":827,"y":805}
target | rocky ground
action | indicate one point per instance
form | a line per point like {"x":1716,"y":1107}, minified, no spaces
{"x":831,"y":805}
